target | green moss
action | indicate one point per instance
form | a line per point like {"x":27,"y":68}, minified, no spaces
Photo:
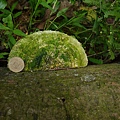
{"x":49,"y":50}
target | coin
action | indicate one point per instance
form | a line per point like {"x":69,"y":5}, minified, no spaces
{"x":16,"y":64}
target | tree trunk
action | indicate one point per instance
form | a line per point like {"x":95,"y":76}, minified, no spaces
{"x":91,"y":93}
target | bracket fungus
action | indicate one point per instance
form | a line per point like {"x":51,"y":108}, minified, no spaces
{"x":48,"y":50}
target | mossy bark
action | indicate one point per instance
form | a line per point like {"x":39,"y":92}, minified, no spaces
{"x":91,"y":93}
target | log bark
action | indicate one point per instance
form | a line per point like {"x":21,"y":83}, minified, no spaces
{"x":90,"y":93}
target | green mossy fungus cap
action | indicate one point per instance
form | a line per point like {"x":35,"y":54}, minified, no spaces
{"x":46,"y":50}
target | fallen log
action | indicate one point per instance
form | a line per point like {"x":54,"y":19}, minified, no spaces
{"x":90,"y":93}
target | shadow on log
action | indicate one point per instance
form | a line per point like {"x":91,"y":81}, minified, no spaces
{"x":91,"y":93}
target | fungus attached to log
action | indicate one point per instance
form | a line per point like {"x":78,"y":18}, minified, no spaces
{"x":46,"y":50}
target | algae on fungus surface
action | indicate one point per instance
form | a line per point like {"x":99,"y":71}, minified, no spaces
{"x":46,"y":50}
